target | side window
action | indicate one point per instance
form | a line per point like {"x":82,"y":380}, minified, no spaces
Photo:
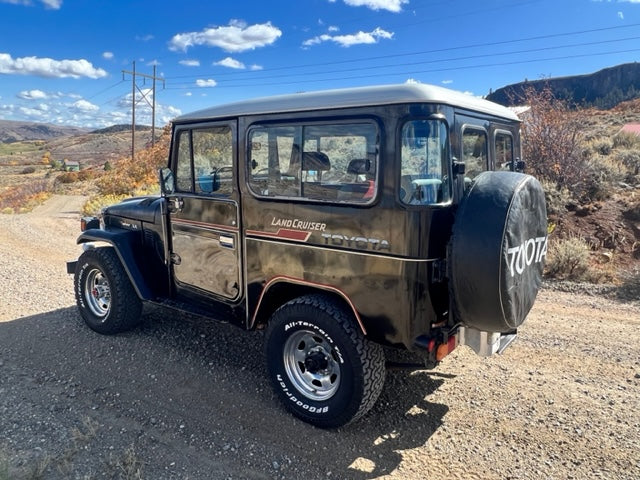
{"x":424,"y":173}
{"x":474,"y":152}
{"x":184,"y":179}
{"x":333,"y":163}
{"x":213,"y":160}
{"x":504,"y":151}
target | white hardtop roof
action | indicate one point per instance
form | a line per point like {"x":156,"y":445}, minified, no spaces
{"x":351,"y":97}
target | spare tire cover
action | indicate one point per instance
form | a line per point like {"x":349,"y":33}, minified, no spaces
{"x":497,"y":251}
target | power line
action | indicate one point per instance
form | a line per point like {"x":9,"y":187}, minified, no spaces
{"x":421,"y":52}
{"x":452,"y":59}
{"x":446,"y":69}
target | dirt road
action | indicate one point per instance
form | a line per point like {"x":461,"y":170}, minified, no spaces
{"x":179,"y":398}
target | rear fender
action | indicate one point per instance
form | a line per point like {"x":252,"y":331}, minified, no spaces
{"x":123,"y":242}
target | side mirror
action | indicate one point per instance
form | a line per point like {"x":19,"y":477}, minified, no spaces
{"x":519,"y":165}
{"x":167,"y":181}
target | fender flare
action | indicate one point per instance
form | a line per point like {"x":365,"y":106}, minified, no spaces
{"x":317,"y":287}
{"x":122,"y":242}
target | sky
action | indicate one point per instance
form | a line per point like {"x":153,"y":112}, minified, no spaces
{"x":69,"y":62}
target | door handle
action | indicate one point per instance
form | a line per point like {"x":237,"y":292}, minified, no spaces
{"x":176,"y":204}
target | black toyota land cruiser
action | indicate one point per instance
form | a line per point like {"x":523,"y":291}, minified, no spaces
{"x":340,"y":222}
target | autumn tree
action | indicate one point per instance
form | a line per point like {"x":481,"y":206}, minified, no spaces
{"x":551,"y":140}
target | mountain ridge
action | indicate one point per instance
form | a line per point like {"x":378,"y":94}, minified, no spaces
{"x":603,"y":89}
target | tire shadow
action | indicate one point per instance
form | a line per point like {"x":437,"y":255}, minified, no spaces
{"x":182,"y":382}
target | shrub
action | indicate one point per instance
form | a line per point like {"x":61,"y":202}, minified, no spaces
{"x":68,"y":177}
{"x":630,"y":158}
{"x":603,"y":146}
{"x":557,"y":198}
{"x":626,"y":140}
{"x":128,"y":176}
{"x":24,"y":197}
{"x":602,"y":175}
{"x":568,"y":259}
{"x":552,"y":135}
{"x":27,"y":170}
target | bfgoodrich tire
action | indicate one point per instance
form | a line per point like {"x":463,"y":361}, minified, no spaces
{"x":321,"y":366}
{"x":106,"y":299}
{"x":497,"y":251}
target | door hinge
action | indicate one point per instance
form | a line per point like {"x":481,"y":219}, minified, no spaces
{"x":175,"y":259}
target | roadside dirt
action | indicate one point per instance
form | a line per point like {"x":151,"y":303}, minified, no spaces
{"x":179,"y":398}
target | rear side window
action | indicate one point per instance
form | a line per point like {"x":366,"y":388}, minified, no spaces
{"x":424,"y":176}
{"x":474,"y":152}
{"x":323,"y":162}
{"x":504,"y":151}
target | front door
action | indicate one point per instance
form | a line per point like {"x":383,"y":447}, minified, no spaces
{"x":204,"y":211}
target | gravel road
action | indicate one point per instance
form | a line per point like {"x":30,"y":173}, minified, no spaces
{"x":179,"y":398}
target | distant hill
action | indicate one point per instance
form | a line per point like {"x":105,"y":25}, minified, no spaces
{"x":11,"y":131}
{"x":603,"y":89}
{"x":122,"y":128}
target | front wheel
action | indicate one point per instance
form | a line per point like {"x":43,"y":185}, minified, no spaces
{"x":321,"y":366}
{"x":106,"y":299}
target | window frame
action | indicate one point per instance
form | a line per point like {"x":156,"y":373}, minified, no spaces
{"x":302,"y":124}
{"x":509,"y":134}
{"x":478,"y":128}
{"x":188,"y":131}
{"x":447,"y":160}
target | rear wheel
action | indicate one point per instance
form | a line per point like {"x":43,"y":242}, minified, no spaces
{"x":321,"y":366}
{"x":106,"y":299}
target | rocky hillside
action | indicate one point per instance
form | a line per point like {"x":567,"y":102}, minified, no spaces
{"x":603,"y":89}
{"x":11,"y":131}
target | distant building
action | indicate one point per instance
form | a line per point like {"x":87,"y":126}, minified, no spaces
{"x":71,"y":166}
{"x":631,"y":128}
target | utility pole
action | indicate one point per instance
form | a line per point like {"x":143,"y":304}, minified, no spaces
{"x":143,"y":96}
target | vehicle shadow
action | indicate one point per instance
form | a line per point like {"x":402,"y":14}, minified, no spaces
{"x":181,"y":381}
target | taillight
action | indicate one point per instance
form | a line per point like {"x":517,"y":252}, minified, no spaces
{"x":445,"y":349}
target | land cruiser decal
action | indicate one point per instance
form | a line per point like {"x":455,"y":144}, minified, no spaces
{"x":297,"y":224}
{"x":529,"y":252}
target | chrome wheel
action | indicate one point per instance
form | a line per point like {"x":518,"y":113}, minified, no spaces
{"x":97,"y":293}
{"x":311,"y":365}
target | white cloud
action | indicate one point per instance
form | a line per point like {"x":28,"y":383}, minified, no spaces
{"x":351,"y":39}
{"x":230,"y":63}
{"x":33,"y":95}
{"x":255,"y":67}
{"x":48,"y":67}
{"x":447,"y":82}
{"x":52,"y":4}
{"x":144,"y":38}
{"x":85,"y":106}
{"x":206,"y":83}
{"x":236,"y":37}
{"x":391,"y":5}
{"x":107,"y":55}
{"x":412,"y":81}
{"x":190,"y":63}
{"x":333,"y":29}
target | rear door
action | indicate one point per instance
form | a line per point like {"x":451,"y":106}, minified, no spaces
{"x":204,"y":211}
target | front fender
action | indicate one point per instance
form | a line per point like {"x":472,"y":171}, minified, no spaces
{"x":123,"y":242}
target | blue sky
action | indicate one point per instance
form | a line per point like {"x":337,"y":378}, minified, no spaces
{"x":61,"y":61}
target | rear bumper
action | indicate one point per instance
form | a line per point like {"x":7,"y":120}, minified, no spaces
{"x":483,"y":343}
